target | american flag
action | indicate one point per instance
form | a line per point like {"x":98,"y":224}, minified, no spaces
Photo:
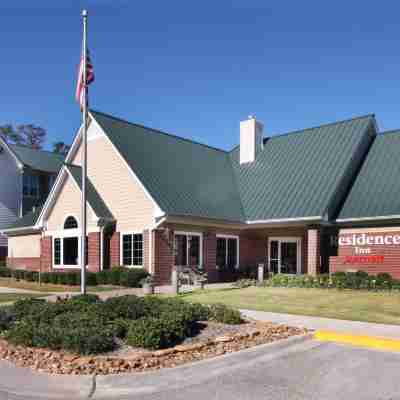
{"x":80,"y":87}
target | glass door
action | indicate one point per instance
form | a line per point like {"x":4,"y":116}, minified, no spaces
{"x":285,"y":255}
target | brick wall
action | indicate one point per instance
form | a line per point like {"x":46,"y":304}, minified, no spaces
{"x":94,"y":251}
{"x":209,"y":255}
{"x":313,"y":251}
{"x":115,"y":249}
{"x":28,"y":263}
{"x":163,"y":256}
{"x":46,"y":251}
{"x":146,"y":250}
{"x":383,"y":258}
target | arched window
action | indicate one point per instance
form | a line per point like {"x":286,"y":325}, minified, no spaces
{"x":70,"y":223}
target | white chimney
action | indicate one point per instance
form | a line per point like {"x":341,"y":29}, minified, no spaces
{"x":251,"y":139}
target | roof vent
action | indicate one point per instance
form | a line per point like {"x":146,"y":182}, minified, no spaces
{"x":251,"y":139}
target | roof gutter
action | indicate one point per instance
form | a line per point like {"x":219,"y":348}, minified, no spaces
{"x":284,"y":220}
{"x":366,"y":219}
{"x":23,"y":230}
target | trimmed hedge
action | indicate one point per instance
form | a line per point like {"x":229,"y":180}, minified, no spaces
{"x":359,"y":280}
{"x":118,"y":276}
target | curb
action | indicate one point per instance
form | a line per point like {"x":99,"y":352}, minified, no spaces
{"x":372,"y":342}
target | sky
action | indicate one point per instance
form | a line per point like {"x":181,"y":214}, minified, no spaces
{"x":196,"y":69}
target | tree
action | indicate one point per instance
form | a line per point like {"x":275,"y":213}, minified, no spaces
{"x":8,"y":134}
{"x":61,"y":148}
{"x":31,"y":135}
{"x":28,"y":135}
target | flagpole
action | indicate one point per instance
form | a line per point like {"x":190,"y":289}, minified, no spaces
{"x":84,"y":156}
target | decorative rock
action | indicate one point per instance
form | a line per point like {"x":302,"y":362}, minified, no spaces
{"x":223,"y":339}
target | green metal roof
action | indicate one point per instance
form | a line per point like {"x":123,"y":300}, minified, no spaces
{"x":27,"y":221}
{"x":38,"y":159}
{"x":296,"y":175}
{"x":93,"y":197}
{"x":183,"y":177}
{"x":376,"y":190}
{"x":300,"y":174}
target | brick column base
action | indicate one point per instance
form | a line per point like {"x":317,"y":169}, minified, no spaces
{"x":115,"y":249}
{"x":94,"y":251}
{"x":313,"y":251}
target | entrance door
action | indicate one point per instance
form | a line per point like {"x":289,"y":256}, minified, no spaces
{"x":284,"y":255}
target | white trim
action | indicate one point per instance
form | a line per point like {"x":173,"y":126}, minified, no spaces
{"x":51,"y":197}
{"x":272,"y":221}
{"x":102,"y":248}
{"x":285,"y":239}
{"x":187,"y":234}
{"x":223,"y":236}
{"x":368,"y":218}
{"x":72,"y":150}
{"x":158,"y":210}
{"x":72,"y":233}
{"x":121,"y":243}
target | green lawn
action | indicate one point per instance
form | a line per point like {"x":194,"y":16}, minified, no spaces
{"x":350,"y":305}
{"x":8,"y":297}
{"x":50,"y":288}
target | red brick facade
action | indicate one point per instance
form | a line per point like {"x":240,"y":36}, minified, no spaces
{"x":94,"y":251}
{"x":313,"y":251}
{"x":115,"y":249}
{"x":380,"y":258}
{"x":46,"y":250}
{"x":28,"y":263}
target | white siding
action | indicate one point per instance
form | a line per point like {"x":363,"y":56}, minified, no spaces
{"x":123,"y":195}
{"x":24,"y":246}
{"x":10,"y":191}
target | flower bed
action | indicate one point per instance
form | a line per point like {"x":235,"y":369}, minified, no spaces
{"x":85,"y":335}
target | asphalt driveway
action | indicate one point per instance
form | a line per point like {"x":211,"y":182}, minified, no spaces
{"x":293,"y":370}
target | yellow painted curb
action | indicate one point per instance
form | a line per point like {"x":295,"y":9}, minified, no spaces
{"x":358,"y":340}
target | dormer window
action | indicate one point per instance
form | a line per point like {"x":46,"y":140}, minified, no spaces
{"x":31,"y":185}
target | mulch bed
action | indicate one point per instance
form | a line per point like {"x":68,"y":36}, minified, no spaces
{"x":212,"y":340}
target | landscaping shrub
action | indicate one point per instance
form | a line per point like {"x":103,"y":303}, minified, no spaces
{"x":27,"y":307}
{"x":224,"y":314}
{"x":6,"y":318}
{"x":157,"y":333}
{"x":132,"y":277}
{"x":340,"y":280}
{"x":115,"y":275}
{"x":91,"y":279}
{"x":72,"y":331}
{"x":127,"y":307}
{"x":103,"y":277}
{"x":244,"y":283}
{"x":5,"y":272}
{"x":247,"y":272}
{"x":87,"y":325}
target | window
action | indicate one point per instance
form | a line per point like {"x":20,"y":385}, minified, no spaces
{"x":188,"y":248}
{"x":31,"y":185}
{"x":227,"y":251}
{"x":57,"y":251}
{"x":70,"y":251}
{"x":52,"y":180}
{"x":132,"y":249}
{"x":66,"y":251}
{"x":70,"y":223}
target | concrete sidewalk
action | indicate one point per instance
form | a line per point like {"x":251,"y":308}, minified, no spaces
{"x":328,"y":324}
